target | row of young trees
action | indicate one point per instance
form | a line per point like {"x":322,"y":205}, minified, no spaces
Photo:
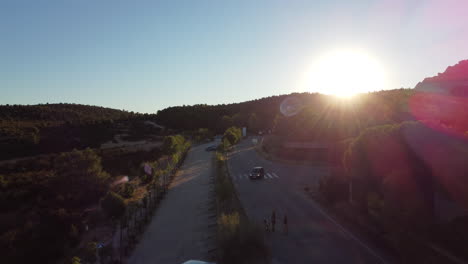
{"x":155,"y":176}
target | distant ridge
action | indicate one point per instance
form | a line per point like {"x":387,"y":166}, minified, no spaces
{"x":453,"y":81}
{"x":60,"y":113}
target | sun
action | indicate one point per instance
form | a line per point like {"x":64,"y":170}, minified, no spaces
{"x":345,"y":73}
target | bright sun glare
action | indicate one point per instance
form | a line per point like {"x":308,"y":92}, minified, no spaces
{"x":346,"y":73}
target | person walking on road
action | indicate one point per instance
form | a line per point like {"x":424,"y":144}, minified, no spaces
{"x":285,"y":222}
{"x":273,"y":221}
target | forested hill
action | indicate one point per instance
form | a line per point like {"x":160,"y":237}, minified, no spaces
{"x":295,"y":114}
{"x":439,"y":101}
{"x":211,"y":116}
{"x":27,"y":130}
{"x":71,"y":113}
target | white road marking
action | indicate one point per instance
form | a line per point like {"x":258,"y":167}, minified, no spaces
{"x":269,"y":175}
{"x":274,"y":174}
{"x":246,"y":176}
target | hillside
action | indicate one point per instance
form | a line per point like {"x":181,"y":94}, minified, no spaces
{"x":60,"y":113}
{"x":27,"y":130}
{"x":310,"y":112}
{"x":453,"y":81}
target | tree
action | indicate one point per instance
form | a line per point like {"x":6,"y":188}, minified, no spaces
{"x":237,"y":120}
{"x":173,"y":144}
{"x":233,"y":135}
{"x":75,"y":260}
{"x":113,"y":205}
{"x":381,"y":161}
{"x":226,"y":122}
{"x":203,"y":133}
{"x":253,"y":123}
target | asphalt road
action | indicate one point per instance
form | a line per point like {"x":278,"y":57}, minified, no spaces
{"x":313,"y":237}
{"x":184,"y":225}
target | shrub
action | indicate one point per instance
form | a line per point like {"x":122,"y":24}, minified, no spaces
{"x":229,"y":224}
{"x":80,"y":178}
{"x":89,"y":252}
{"x":173,"y":144}
{"x":75,"y":260}
{"x":113,"y":205}
{"x":223,"y":189}
{"x":128,"y":190}
{"x":232,"y":135}
{"x":240,"y":241}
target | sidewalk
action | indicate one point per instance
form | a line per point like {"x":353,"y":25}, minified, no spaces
{"x":184,"y":226}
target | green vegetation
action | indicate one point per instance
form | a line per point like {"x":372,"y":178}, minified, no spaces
{"x":49,"y":203}
{"x":27,"y":130}
{"x":113,"y":205}
{"x":230,"y":137}
{"x":394,"y":165}
{"x":41,"y":209}
{"x":173,"y":144}
{"x":394,"y":183}
{"x":239,"y":240}
{"x":320,"y":116}
{"x":79,"y":177}
{"x":203,"y":134}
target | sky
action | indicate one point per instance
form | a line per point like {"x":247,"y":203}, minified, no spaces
{"x":146,"y":55}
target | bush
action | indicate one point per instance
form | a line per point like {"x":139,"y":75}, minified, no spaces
{"x":113,"y":205}
{"x":173,"y":144}
{"x":128,"y":190}
{"x":240,"y":241}
{"x":233,"y":135}
{"x":229,"y":224}
{"x":89,"y":252}
{"x":224,"y":189}
{"x":75,"y":260}
{"x":80,"y":178}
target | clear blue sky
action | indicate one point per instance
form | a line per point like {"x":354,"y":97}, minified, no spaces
{"x":147,"y":55}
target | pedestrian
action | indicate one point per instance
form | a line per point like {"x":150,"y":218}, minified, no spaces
{"x":285,"y":222}
{"x":273,"y":221}
{"x":265,"y":222}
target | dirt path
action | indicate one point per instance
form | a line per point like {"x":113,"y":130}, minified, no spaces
{"x":184,"y":225}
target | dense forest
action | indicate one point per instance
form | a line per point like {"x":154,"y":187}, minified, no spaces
{"x":50,"y":113}
{"x":313,"y":115}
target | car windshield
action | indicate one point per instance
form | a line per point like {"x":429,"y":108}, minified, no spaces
{"x":257,"y":170}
